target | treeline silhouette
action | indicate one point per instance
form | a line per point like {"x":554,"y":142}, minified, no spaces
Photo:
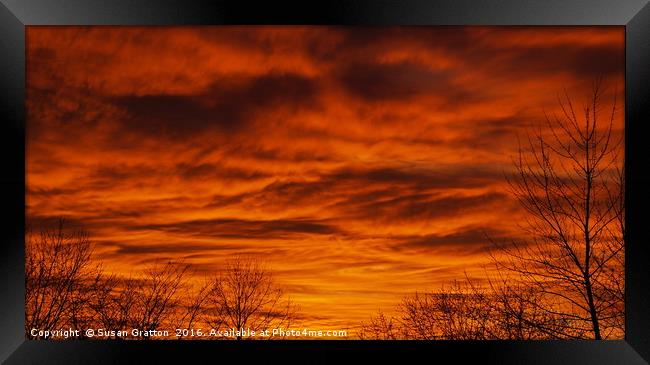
{"x":65,"y":288}
{"x":566,"y":281}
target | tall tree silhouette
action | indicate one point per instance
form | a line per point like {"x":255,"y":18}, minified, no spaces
{"x":567,"y":281}
{"x":569,"y":181}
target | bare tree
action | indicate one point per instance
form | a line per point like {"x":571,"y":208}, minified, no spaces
{"x":66,"y":288}
{"x":569,"y":181}
{"x":245,"y":297}
{"x":157,"y":298}
{"x":515,"y":314}
{"x":147,"y":301}
{"x":456,"y":312}
{"x":382,"y":327}
{"x":192,"y":306}
{"x":112,"y":303}
{"x":464,"y":310}
{"x":58,"y":272}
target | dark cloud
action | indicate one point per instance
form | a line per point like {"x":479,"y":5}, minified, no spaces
{"x":586,"y":61}
{"x":353,"y":190}
{"x":465,"y":241}
{"x":108,"y":176}
{"x":39,"y":57}
{"x":359,"y":48}
{"x":116,"y":173}
{"x":250,"y":38}
{"x":277,"y":154}
{"x":229,"y":104}
{"x":220,"y":200}
{"x":417,"y":207}
{"x":467,"y":236}
{"x":368,"y":43}
{"x":170,"y":248}
{"x":243,"y":228}
{"x":458,"y":176}
{"x":387,"y":195}
{"x":400,"y":81}
{"x":43,"y":222}
{"x":214,"y":171}
{"x":490,"y":134}
{"x":50,"y":193}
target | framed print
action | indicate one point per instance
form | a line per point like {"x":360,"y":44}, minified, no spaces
{"x":302,"y":182}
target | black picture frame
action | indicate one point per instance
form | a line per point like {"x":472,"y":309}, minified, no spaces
{"x":15,"y":15}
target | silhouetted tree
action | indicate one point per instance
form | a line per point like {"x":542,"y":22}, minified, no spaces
{"x":146,"y":301}
{"x":569,"y":181}
{"x":58,"y":275}
{"x":463,"y":310}
{"x":245,"y":296}
{"x":382,"y":327}
{"x":567,"y":282}
{"x":456,"y":312}
{"x":515,"y":314}
{"x":192,"y":306}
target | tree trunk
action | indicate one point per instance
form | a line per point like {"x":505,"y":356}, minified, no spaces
{"x":592,"y":309}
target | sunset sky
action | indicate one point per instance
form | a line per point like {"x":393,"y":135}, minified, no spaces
{"x":360,"y":164}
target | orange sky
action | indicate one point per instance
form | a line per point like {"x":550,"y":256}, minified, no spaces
{"x":360,"y":163}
